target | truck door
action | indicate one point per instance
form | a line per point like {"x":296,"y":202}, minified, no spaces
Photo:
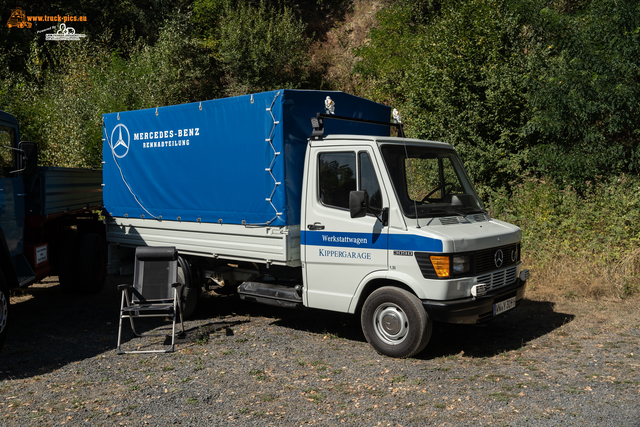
{"x":11,"y":191}
{"x":339,"y":251}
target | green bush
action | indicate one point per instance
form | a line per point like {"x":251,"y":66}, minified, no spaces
{"x":261,"y":48}
{"x":596,"y":230}
{"x":540,"y":86}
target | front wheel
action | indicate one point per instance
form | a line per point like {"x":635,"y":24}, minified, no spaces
{"x":395,"y":323}
{"x":4,"y":308}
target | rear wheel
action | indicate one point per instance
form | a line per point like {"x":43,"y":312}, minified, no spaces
{"x":82,"y":263}
{"x":395,"y":323}
{"x":67,"y":260}
{"x":189,"y":296}
{"x":92,"y":264}
{"x":4,"y":308}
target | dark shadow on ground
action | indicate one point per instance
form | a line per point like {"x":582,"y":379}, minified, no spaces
{"x":527,"y":322}
{"x":53,"y":329}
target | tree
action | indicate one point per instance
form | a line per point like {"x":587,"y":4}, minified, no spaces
{"x":583,"y":76}
{"x":455,"y":70}
{"x":261,"y":48}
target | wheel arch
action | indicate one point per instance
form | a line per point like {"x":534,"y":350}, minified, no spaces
{"x":373,"y":282}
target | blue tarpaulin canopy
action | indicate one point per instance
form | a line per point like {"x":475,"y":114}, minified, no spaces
{"x":235,"y":160}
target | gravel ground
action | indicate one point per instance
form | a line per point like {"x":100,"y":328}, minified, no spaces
{"x":241,"y":364}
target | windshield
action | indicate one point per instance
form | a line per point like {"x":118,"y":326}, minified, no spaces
{"x":430,"y":181}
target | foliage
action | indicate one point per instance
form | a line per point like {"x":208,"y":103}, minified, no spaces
{"x":516,"y":86}
{"x":596,"y":231}
{"x":143,"y":19}
{"x":583,"y":85}
{"x":59,"y":103}
{"x":457,"y":79}
{"x":261,"y":48}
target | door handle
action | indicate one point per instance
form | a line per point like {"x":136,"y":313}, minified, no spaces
{"x":315,"y":226}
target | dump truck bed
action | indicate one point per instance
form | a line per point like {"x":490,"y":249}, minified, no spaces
{"x":55,"y":191}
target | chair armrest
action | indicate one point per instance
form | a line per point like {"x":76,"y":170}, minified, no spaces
{"x":125,"y":286}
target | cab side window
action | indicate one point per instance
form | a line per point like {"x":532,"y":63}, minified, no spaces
{"x":7,"y":139}
{"x":337,"y":178}
{"x":339,"y":175}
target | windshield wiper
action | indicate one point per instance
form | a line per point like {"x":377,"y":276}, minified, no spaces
{"x":469,"y":209}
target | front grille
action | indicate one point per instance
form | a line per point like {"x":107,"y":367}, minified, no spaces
{"x":426,"y":268}
{"x":500,"y":278}
{"x":484,"y":260}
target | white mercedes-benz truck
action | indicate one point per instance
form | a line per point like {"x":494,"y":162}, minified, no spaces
{"x":268,"y":196}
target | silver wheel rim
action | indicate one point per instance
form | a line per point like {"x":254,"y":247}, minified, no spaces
{"x":3,"y":311}
{"x":390,"y":323}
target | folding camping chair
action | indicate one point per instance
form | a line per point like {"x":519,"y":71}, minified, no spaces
{"x":154,"y":293}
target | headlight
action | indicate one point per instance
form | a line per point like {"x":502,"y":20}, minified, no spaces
{"x":461,"y":264}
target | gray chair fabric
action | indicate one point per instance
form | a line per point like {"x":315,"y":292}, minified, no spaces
{"x":155,"y":292}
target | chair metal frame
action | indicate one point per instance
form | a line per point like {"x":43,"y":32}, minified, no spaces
{"x":144,"y":299}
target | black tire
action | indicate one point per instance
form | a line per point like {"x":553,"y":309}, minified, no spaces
{"x":4,"y":309}
{"x":395,"y":323}
{"x":92,"y":266}
{"x":189,"y":296}
{"x":67,"y":260}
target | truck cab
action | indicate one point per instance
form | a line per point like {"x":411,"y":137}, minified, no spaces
{"x":12,"y":203}
{"x":48,"y":223}
{"x":402,"y":216}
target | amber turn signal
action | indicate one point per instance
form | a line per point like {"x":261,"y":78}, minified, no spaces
{"x":440,"y":265}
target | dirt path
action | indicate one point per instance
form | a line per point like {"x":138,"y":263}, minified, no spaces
{"x":542,"y":364}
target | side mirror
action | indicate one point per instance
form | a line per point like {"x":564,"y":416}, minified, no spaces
{"x":357,"y":207}
{"x":27,"y":158}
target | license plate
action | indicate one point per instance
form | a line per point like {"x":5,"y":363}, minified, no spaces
{"x":503,"y":306}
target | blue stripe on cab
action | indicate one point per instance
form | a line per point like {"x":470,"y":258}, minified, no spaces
{"x":398,"y":242}
{"x":411,"y":242}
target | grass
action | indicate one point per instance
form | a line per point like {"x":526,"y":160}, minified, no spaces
{"x":399,"y":379}
{"x":577,"y":245}
{"x":500,"y":397}
{"x":316,"y":397}
{"x":258,"y":374}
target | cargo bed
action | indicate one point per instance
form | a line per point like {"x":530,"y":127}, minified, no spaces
{"x":273,"y":245}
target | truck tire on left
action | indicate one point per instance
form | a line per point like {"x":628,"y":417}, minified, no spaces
{"x":4,"y":308}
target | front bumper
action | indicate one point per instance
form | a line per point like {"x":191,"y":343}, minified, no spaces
{"x":473,"y":310}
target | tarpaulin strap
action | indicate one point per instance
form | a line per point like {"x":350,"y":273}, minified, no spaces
{"x":273,"y":161}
